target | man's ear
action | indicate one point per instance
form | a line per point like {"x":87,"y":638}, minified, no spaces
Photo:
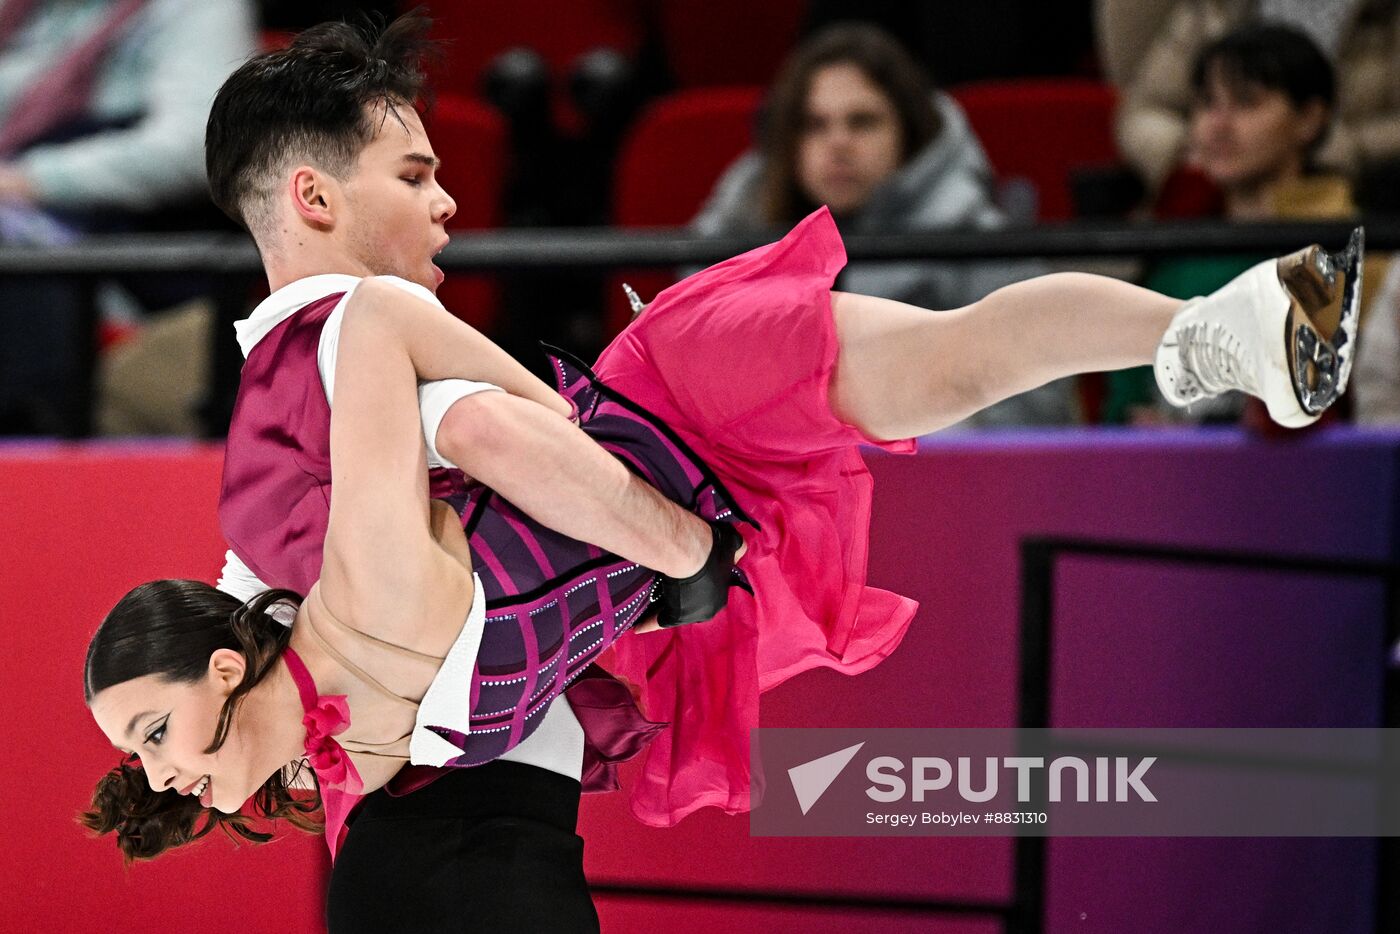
{"x":314,"y":196}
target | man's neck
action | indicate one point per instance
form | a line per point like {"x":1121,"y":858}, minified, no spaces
{"x":284,"y":266}
{"x":283,"y":276}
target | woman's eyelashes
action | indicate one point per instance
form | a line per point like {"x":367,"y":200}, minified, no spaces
{"x":158,"y":734}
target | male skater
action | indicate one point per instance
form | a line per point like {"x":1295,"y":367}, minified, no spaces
{"x":318,"y":151}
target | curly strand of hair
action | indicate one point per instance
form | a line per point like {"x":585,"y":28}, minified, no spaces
{"x":148,"y":823}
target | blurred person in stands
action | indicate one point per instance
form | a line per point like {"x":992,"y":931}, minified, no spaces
{"x":1376,"y":379}
{"x":854,"y":124}
{"x":1265,"y":98}
{"x":1360,"y":37}
{"x":102,"y":110}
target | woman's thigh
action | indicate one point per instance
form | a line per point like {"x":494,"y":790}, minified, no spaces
{"x":902,"y":371}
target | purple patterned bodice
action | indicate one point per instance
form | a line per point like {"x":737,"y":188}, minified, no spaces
{"x":553,"y":603}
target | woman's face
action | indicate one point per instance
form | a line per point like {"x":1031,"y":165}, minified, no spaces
{"x":850,"y":139}
{"x":169,"y":724}
{"x":1244,"y":135}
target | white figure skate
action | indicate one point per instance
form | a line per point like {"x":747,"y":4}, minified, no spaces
{"x":1284,"y":331}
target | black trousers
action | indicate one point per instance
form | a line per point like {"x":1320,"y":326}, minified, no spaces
{"x":490,"y":848}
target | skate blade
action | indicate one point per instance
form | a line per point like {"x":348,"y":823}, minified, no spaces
{"x":1325,"y":296}
{"x":634,"y":300}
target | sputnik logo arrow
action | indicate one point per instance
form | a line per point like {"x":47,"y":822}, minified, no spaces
{"x":810,"y":780}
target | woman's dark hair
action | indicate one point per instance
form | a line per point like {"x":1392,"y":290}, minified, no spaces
{"x":1276,"y":58}
{"x":884,"y":61}
{"x":170,"y":628}
{"x":312,"y":101}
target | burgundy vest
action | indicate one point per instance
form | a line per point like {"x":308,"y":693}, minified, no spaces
{"x":275,"y":501}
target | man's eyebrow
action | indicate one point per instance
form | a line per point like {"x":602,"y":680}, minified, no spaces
{"x":431,"y":162}
{"x":132,"y":725}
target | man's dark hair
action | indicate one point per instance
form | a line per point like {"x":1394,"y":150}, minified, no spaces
{"x":1276,"y":58}
{"x":315,"y":102}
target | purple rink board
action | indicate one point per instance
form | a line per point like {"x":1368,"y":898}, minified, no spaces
{"x":1135,"y":644}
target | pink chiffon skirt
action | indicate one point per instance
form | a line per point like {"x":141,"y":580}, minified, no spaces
{"x":737,"y":360}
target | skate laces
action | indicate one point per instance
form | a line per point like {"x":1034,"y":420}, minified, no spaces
{"x":1214,"y":357}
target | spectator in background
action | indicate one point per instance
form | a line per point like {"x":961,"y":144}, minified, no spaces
{"x":1362,"y":38}
{"x":853,"y":123}
{"x":102,"y":111}
{"x":1264,"y":99}
{"x":1376,"y":376}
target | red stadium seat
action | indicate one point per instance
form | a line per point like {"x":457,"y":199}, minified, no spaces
{"x":470,"y":139}
{"x":1043,"y":130}
{"x":677,"y":150}
{"x":1188,"y":193}
{"x":728,"y":42}
{"x":476,"y":31}
{"x":270,"y":40}
{"x":673,"y":156}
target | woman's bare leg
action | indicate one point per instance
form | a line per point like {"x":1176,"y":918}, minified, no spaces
{"x":904,"y":371}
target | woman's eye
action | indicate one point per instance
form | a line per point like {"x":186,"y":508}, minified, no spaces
{"x":157,"y":735}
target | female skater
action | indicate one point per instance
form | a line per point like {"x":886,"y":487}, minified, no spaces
{"x":742,"y":393}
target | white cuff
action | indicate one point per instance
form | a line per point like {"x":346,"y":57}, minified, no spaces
{"x":434,"y":399}
{"x":237,"y":580}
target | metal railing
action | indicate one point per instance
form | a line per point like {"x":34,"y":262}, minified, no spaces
{"x":233,"y":266}
{"x":601,"y":248}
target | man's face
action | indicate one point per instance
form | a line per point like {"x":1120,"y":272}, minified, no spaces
{"x":850,"y":140}
{"x":395,"y":210}
{"x":1244,"y":135}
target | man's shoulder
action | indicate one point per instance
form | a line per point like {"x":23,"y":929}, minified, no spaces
{"x":306,"y":321}
{"x":402,"y":285}
{"x":288,"y":302}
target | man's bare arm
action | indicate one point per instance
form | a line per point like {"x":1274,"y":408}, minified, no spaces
{"x":444,"y":347}
{"x":533,"y":456}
